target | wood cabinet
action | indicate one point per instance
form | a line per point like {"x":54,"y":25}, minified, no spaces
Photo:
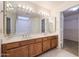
{"x":54,"y":43}
{"x":38,"y":48}
{"x":18,"y":52}
{"x":29,"y":48}
{"x":35,"y":48}
{"x":46,"y":44}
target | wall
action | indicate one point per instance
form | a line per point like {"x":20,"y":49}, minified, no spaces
{"x":71,"y":27}
{"x":36,"y":27}
{"x":1,"y":17}
{"x":1,"y":23}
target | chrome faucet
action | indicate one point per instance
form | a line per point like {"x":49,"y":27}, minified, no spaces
{"x":24,"y":35}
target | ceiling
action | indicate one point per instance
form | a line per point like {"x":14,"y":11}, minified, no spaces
{"x":48,"y":4}
{"x":70,"y":12}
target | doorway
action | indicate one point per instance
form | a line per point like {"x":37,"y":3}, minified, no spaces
{"x":71,"y":29}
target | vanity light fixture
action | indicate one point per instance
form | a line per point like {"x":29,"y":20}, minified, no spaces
{"x":43,"y":13}
{"x":27,"y":8}
{"x":9,"y":5}
{"x":10,"y":9}
{"x":19,"y":6}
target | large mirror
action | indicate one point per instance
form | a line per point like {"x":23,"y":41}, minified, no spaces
{"x":22,"y":18}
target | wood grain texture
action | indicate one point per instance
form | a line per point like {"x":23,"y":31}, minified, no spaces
{"x":29,"y":48}
{"x":18,"y":52}
{"x":46,"y":45}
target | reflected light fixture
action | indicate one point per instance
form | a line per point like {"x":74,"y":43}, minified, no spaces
{"x":43,"y":13}
{"x":9,"y":5}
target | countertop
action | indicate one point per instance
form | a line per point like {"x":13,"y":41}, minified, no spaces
{"x":20,"y":38}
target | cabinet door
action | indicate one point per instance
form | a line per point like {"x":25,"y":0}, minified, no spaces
{"x":18,"y":52}
{"x":38,"y":48}
{"x":46,"y":45}
{"x":31,"y":50}
{"x":54,"y":43}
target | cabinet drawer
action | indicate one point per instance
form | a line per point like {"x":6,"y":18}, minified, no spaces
{"x":38,"y":40}
{"x":54,"y":43}
{"x":18,"y":52}
{"x":38,"y":48}
{"x":26,"y":42}
{"x":46,"y":45}
{"x":31,"y":50}
{"x":55,"y":37}
{"x":50,"y":37}
{"x":45,"y":38}
{"x":22,"y":43}
{"x":11,"y":45}
{"x":31,"y":41}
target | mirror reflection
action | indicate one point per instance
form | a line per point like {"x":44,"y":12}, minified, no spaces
{"x":22,"y":18}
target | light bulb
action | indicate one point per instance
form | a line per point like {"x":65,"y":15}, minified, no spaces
{"x":19,"y":5}
{"x":9,"y":5}
{"x":24,"y":7}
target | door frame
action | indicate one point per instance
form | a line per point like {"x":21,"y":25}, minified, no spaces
{"x":61,"y":29}
{"x":62,"y":26}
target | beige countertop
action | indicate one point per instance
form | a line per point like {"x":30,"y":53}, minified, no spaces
{"x":20,"y":38}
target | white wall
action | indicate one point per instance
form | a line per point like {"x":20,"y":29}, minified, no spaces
{"x":1,"y":23}
{"x":1,"y":17}
{"x":36,"y":27}
{"x":71,"y":27}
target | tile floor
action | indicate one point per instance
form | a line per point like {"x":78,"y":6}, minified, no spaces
{"x":57,"y":53}
{"x":71,"y":46}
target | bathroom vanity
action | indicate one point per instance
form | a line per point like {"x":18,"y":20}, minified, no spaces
{"x":27,"y":33}
{"x":29,"y":48}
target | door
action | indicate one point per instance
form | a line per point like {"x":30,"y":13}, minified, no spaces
{"x":46,"y":45}
{"x":18,"y":52}
{"x":38,"y":48}
{"x":32,"y":50}
{"x":54,"y":43}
